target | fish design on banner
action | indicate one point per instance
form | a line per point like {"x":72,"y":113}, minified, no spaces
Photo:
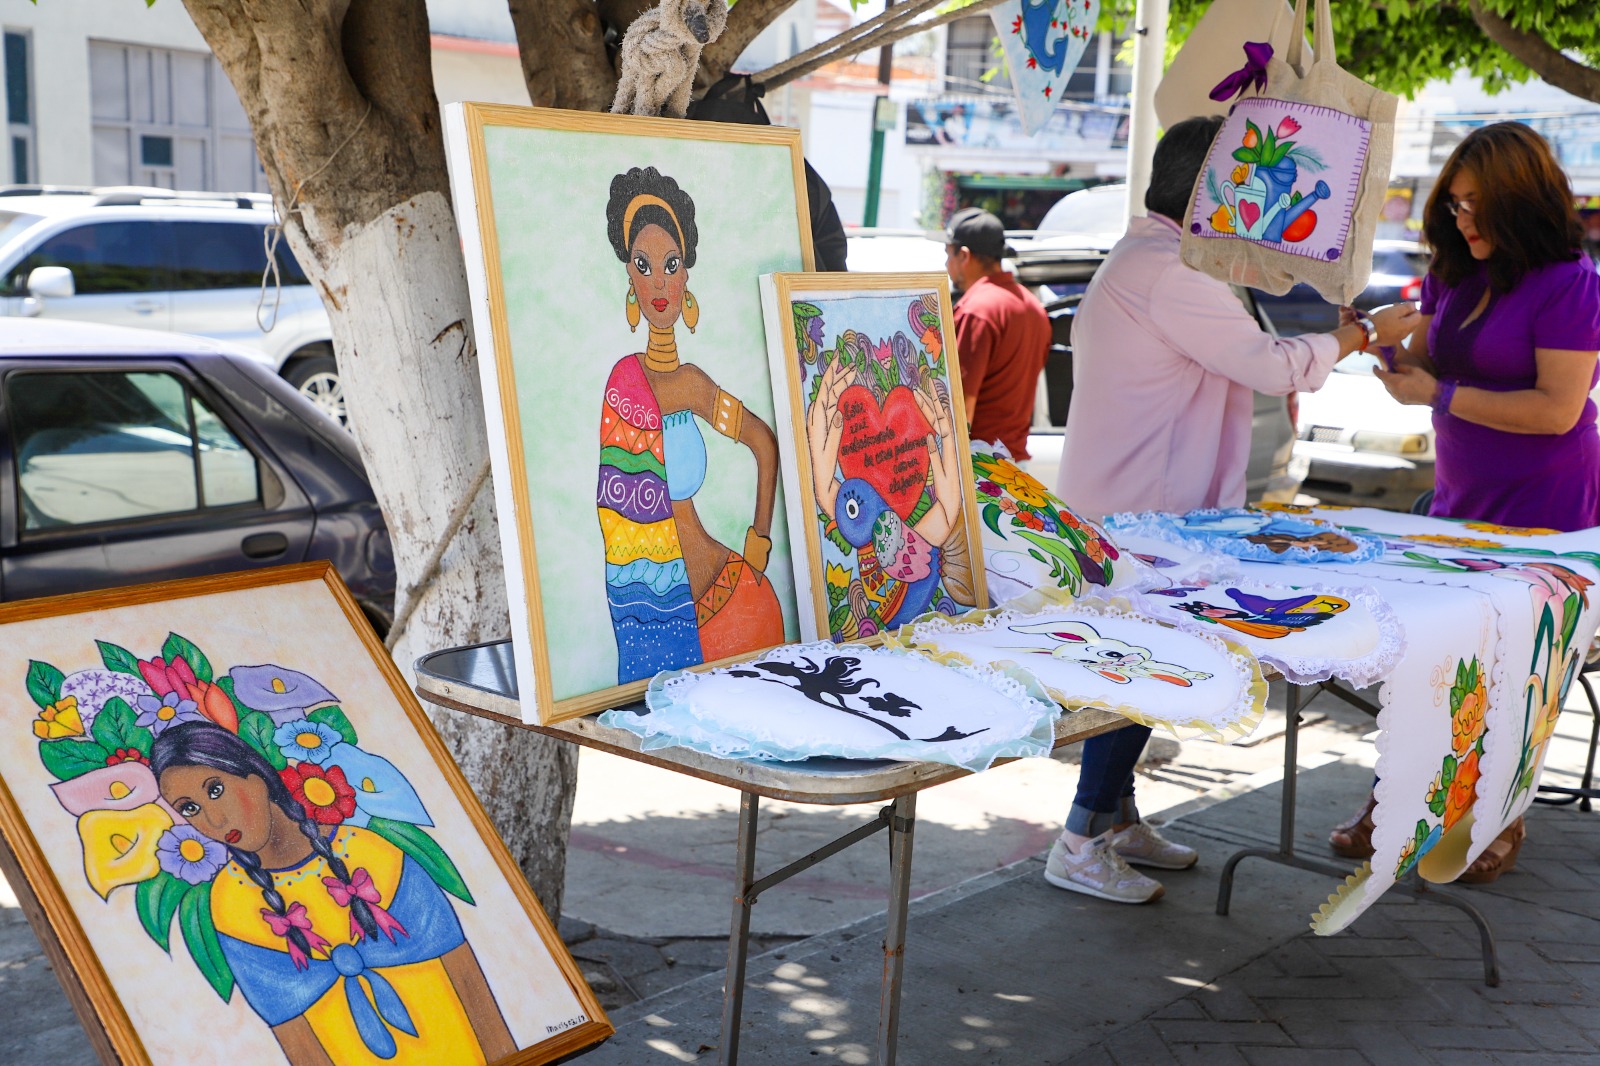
{"x":1043,"y":40}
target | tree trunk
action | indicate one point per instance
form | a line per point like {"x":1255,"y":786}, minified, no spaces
{"x":341,"y":103}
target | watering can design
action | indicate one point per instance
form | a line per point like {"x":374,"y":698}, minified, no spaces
{"x":1284,"y":213}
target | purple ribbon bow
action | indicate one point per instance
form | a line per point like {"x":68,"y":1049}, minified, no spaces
{"x":1254,"y":72}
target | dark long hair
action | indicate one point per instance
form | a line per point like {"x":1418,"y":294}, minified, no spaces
{"x":205,"y":744}
{"x":1524,"y":208}
{"x":648,"y":181}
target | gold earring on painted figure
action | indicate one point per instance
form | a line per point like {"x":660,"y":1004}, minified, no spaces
{"x":633,"y":310}
{"x":691,"y":310}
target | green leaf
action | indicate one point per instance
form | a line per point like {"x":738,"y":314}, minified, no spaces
{"x":991,"y":517}
{"x":839,"y":618}
{"x":334,"y":719}
{"x":157,"y":901}
{"x":200,"y":937}
{"x":1246,"y":155}
{"x":256,"y":729}
{"x":415,"y":842}
{"x":44,"y":682}
{"x":116,"y":726}
{"x":924,"y":505}
{"x":835,"y":537}
{"x":176,"y":646}
{"x":803,"y":310}
{"x":68,"y":758}
{"x":118,"y":659}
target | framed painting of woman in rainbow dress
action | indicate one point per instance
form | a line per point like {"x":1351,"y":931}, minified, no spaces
{"x":236,"y":821}
{"x":613,"y":262}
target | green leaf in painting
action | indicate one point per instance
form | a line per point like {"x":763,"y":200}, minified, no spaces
{"x":839,"y":618}
{"x":924,"y":505}
{"x":116,"y":726}
{"x":157,"y":901}
{"x":334,"y":719}
{"x":176,"y":646}
{"x":1246,"y":155}
{"x":430,"y":856}
{"x":200,"y":937}
{"x":69,"y":758}
{"x":117,"y":658}
{"x":991,"y":517}
{"x":44,"y":682}
{"x":256,"y":729}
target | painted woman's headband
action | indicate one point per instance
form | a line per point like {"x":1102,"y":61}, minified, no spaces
{"x":645,"y":199}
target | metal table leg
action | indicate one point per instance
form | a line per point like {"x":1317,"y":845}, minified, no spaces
{"x":1285,"y":855}
{"x":902,"y":827}
{"x":739,"y":932}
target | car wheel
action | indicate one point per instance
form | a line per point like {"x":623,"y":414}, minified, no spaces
{"x":317,"y":379}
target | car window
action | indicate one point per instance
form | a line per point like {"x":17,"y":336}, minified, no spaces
{"x":104,"y":257}
{"x":108,"y":446}
{"x":218,"y":255}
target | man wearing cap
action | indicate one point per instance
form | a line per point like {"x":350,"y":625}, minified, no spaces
{"x":1002,"y":332}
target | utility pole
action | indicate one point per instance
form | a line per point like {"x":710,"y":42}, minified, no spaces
{"x":883,"y":120}
{"x":1149,"y":59}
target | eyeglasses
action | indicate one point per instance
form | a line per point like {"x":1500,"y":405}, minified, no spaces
{"x":1462,"y":207}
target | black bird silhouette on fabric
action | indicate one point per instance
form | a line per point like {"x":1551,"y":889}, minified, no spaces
{"x":834,"y":678}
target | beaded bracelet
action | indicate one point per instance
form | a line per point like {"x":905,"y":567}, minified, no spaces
{"x":1447,"y":393}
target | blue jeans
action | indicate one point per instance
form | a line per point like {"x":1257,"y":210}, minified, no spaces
{"x":1105,"y":781}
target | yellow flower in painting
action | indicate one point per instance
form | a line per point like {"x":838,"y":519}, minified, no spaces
{"x":1466,"y":725}
{"x":1454,"y":542}
{"x":838,"y":576}
{"x":1281,"y":508}
{"x":119,"y":847}
{"x":1406,"y":853}
{"x":1508,"y":531}
{"x":60,"y":719}
{"x":1023,"y":485}
{"x":1221,"y":220}
{"x":1241,"y":174}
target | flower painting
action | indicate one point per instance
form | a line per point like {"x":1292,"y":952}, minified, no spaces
{"x":1282,"y":173}
{"x":876,"y":475}
{"x":220,"y":820}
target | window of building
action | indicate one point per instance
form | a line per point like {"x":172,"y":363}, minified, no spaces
{"x":169,"y":118}
{"x":114,"y":446}
{"x":19,"y":107}
{"x":106,"y":257}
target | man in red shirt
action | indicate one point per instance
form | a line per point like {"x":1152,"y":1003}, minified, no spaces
{"x":1002,"y":332}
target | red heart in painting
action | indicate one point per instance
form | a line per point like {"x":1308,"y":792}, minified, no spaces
{"x":887,"y":447}
{"x":1250,"y":211}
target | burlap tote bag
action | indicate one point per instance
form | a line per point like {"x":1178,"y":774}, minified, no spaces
{"x":1196,"y":81}
{"x":1294,"y":182}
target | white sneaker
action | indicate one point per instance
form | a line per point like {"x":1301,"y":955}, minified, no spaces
{"x":1140,"y":845}
{"x":1097,"y":870}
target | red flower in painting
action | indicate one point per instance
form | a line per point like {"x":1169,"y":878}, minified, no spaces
{"x":323,"y":791}
{"x":1016,"y":27}
{"x":122,"y":755}
{"x":1047,"y":91}
{"x":1032,"y":63}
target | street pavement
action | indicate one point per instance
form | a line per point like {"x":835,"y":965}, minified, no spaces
{"x":1002,"y":968}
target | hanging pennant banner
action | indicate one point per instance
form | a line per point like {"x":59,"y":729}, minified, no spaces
{"x":1043,"y":41}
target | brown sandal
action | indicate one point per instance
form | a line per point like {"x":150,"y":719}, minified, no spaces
{"x":1353,"y":838}
{"x":1499,"y":857}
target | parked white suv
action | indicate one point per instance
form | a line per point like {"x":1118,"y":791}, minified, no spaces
{"x":180,"y":261}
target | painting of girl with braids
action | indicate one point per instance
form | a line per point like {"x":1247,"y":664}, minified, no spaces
{"x":235,"y":817}
{"x":878,"y":484}
{"x":678,"y":595}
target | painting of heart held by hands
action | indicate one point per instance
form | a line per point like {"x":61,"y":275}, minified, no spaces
{"x":876,"y":480}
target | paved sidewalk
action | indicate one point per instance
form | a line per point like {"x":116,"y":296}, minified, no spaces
{"x":1002,"y":968}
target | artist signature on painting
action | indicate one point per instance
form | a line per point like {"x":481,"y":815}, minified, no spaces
{"x":570,"y":1023}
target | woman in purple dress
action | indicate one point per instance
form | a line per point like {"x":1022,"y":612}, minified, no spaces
{"x":1506,"y":354}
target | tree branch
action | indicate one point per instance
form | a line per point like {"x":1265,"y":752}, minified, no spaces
{"x":1538,"y":55}
{"x":746,"y":20}
{"x":564,"y":62}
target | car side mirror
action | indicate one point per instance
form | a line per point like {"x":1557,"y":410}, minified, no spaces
{"x":51,"y":283}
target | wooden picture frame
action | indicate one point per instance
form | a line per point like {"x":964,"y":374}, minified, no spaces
{"x":136,"y":909}
{"x":551,"y":205}
{"x":896,"y":381}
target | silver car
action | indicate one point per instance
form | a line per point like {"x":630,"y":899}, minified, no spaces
{"x":158,"y":259}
